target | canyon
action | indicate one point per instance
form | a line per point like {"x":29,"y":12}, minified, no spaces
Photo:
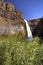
{"x":12,"y":21}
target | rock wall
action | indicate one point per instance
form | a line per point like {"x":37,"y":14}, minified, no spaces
{"x":37,"y":27}
{"x":11,"y":20}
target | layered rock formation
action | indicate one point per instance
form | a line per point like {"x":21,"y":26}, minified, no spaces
{"x":11,"y":20}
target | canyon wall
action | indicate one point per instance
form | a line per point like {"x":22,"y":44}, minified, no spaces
{"x":11,"y":20}
{"x":36,"y":27}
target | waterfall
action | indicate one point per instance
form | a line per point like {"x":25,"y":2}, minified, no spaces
{"x":29,"y":33}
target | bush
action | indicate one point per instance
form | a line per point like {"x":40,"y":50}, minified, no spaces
{"x":14,"y":52}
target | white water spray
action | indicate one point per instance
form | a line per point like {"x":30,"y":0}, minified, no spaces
{"x":29,"y":33}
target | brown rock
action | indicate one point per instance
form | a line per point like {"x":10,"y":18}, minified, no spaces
{"x":37,"y":27}
{"x":10,"y":19}
{"x":7,"y":6}
{"x":1,"y":1}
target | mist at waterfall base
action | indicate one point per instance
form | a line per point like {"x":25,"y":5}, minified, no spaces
{"x":28,"y":30}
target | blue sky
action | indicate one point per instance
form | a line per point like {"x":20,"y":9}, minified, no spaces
{"x":31,"y":9}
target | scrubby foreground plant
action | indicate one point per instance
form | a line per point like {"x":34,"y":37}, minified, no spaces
{"x":14,"y":52}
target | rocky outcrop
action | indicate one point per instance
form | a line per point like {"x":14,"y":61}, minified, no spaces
{"x":37,"y":27}
{"x":11,"y":20}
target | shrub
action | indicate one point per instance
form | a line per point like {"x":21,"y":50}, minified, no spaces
{"x":14,"y":52}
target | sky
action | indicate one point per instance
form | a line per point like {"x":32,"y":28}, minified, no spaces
{"x":31,"y":9}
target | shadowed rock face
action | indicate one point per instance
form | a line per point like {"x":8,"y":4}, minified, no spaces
{"x":11,"y":20}
{"x":37,"y":27}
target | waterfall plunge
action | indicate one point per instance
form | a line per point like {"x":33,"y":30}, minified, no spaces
{"x":29,"y":33}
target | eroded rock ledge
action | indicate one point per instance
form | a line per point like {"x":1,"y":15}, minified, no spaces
{"x":11,"y":20}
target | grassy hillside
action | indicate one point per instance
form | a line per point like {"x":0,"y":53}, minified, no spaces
{"x":16,"y":51}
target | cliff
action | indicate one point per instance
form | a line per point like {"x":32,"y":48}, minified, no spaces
{"x":36,"y":26}
{"x":11,"y":20}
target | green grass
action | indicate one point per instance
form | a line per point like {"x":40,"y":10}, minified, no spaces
{"x":16,"y":51}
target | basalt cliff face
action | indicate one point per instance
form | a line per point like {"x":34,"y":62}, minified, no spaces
{"x":11,"y":20}
{"x":36,"y":27}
